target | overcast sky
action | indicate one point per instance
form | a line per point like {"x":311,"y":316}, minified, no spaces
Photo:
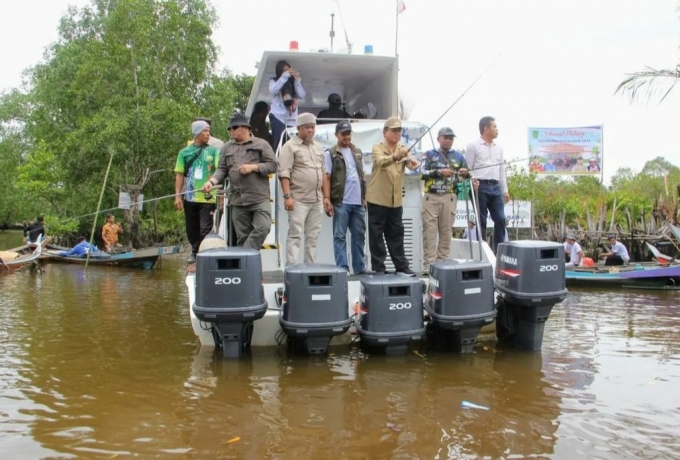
{"x":560,"y":61}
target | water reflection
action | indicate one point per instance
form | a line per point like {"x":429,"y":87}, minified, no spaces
{"x":103,"y":363}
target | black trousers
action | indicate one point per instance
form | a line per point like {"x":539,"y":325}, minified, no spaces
{"x":386,"y":222}
{"x":613,"y":260}
{"x":199,"y":222}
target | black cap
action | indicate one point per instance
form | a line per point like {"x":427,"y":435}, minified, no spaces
{"x":446,"y":131}
{"x":343,"y":126}
{"x":238,"y":119}
{"x":334,"y":98}
{"x":609,"y":237}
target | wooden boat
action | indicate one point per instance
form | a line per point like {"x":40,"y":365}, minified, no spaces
{"x":639,"y":276}
{"x":23,"y":259}
{"x":137,"y":258}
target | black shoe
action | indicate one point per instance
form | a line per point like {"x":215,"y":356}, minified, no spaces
{"x":406,"y":272}
{"x":378,"y":272}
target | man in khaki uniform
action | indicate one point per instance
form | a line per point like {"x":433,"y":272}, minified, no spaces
{"x":246,"y":162}
{"x":302,"y":171}
{"x":390,"y":158}
{"x":440,"y":171}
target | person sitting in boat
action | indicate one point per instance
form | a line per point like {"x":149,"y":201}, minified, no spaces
{"x":81,"y":249}
{"x":574,"y":251}
{"x":617,"y":255}
{"x":258,"y":122}
{"x":286,"y":89}
{"x":334,"y":113}
{"x":110,"y":232}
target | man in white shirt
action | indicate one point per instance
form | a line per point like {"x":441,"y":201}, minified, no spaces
{"x":618,"y":255}
{"x":573,"y":249}
{"x":485,"y":159}
{"x":470,"y":232}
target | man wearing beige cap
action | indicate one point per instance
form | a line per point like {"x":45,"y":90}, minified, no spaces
{"x":301,"y":172}
{"x":384,"y":198}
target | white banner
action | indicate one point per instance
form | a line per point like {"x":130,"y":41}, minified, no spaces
{"x":124,"y":201}
{"x":518,"y":213}
{"x":365,"y":134}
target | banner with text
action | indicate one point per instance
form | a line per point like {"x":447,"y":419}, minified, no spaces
{"x":570,"y":151}
{"x":518,"y":214}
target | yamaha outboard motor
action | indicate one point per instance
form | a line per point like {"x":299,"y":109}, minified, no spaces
{"x":391,"y":313}
{"x":530,"y":281}
{"x":460,"y":300}
{"x":230,"y":295}
{"x":315,"y":307}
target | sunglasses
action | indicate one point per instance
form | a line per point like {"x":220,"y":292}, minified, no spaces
{"x":394,"y":130}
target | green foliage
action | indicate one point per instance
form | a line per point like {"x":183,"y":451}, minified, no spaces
{"x":124,"y":77}
{"x":577,"y":196}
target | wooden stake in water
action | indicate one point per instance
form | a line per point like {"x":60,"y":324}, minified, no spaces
{"x":99,"y":205}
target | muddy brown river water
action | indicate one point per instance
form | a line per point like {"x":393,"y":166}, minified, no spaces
{"x":104,"y":364}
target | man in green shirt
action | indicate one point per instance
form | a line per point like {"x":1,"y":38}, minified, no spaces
{"x":195,"y":165}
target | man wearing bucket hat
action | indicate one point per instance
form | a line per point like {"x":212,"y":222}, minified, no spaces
{"x":246,"y":162}
{"x":574,"y":251}
{"x":193,"y":169}
{"x":302,"y":173}
{"x":385,"y":202}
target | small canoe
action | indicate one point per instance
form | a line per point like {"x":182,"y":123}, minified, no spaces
{"x":14,"y":260}
{"x":137,"y":258}
{"x":666,"y":277}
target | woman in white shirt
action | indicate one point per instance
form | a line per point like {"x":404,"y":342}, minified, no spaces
{"x":286,"y":90}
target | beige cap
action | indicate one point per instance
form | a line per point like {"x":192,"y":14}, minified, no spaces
{"x":306,"y":119}
{"x":393,"y":122}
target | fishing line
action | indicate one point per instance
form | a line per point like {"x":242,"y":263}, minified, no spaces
{"x":139,"y":202}
{"x":455,"y":102}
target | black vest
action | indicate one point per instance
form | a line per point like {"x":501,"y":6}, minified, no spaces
{"x":339,"y":173}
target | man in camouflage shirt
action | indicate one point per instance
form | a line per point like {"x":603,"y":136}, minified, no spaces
{"x":440,"y":170}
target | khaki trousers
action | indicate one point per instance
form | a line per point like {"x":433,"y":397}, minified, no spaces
{"x":305,"y":218}
{"x":437,"y":213}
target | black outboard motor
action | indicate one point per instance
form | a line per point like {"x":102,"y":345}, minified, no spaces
{"x":391,"y":313}
{"x":315,"y":306}
{"x":230,"y":295}
{"x":460,"y":301}
{"x":530,"y":281}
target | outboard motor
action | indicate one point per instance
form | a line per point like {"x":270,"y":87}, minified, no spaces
{"x":391,"y":312}
{"x":230,"y":295}
{"x":530,"y":281}
{"x":315,"y":307}
{"x":460,"y":301}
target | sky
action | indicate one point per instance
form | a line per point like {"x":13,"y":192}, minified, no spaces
{"x":543,"y":63}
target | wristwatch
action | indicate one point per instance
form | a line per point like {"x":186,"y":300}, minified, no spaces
{"x":286,"y":196}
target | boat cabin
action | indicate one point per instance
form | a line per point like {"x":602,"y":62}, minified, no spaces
{"x":367,"y":84}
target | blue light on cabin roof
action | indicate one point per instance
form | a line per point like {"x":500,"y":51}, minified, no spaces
{"x":368,"y":49}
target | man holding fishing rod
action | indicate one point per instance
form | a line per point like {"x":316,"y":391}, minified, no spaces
{"x":390,"y":158}
{"x":485,"y":159}
{"x":441,"y":169}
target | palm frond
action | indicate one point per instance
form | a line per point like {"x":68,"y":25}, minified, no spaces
{"x":650,"y":82}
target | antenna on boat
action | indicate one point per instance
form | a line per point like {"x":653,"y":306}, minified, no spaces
{"x":344,"y":29}
{"x":332,"y":34}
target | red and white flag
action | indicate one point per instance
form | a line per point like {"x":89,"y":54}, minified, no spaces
{"x":401,"y":6}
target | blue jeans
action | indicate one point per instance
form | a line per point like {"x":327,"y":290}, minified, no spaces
{"x":352,"y":217}
{"x":491,"y":200}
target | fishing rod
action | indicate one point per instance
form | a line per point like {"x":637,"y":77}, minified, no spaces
{"x":208,"y":196}
{"x":454,"y":102}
